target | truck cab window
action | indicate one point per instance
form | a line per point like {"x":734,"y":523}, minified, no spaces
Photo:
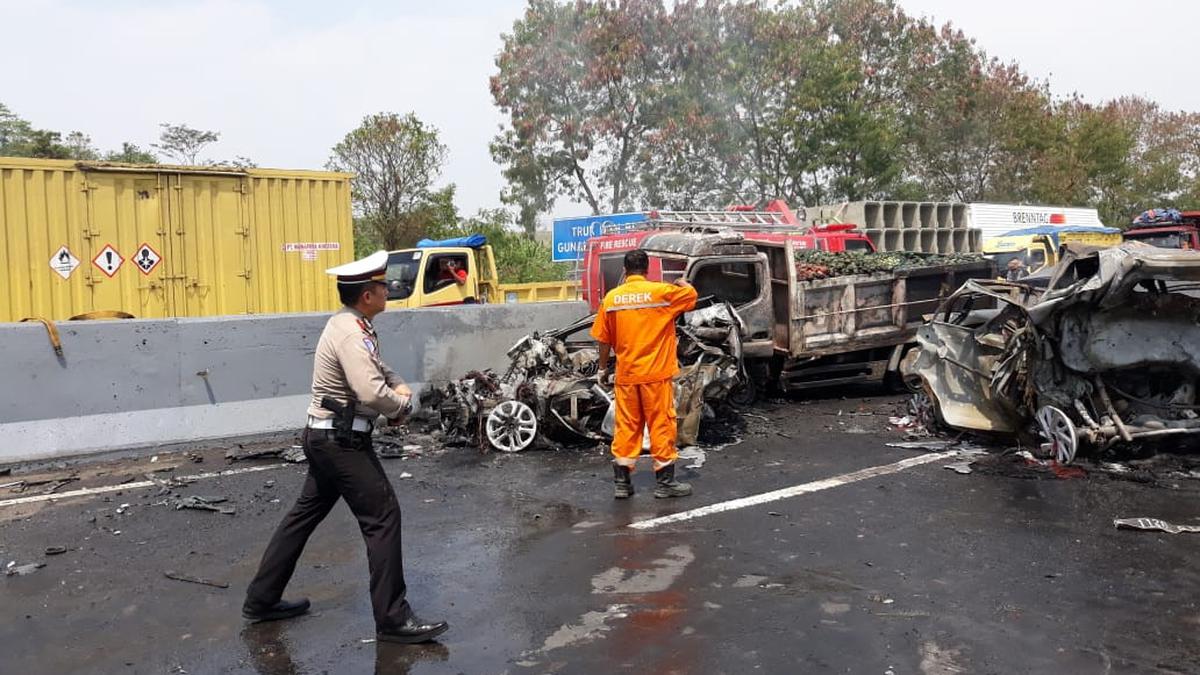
{"x":612,"y":268}
{"x":735,"y":282}
{"x":441,"y":269}
{"x":402,"y":274}
{"x":672,"y":269}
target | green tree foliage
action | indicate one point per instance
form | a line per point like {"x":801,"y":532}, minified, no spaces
{"x":183,"y":144}
{"x":130,"y":153}
{"x":627,"y":104}
{"x":519,"y":259}
{"x":396,"y":160}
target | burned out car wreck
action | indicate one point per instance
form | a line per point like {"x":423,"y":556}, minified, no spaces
{"x":1106,"y":356}
{"x":550,"y":394}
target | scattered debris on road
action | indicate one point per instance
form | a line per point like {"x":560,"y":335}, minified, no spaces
{"x":205,"y":504}
{"x":1153,"y":524}
{"x":195,"y":580}
{"x":55,"y":550}
{"x":294,"y":454}
{"x":13,"y":569}
{"x":694,"y":455}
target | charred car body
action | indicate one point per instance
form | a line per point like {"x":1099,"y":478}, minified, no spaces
{"x":1107,"y":354}
{"x":550,"y":393}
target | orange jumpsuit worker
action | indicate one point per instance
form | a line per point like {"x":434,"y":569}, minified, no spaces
{"x":637,"y":321}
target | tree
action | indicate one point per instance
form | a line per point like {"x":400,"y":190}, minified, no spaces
{"x":182,"y":143}
{"x":14,"y":133}
{"x":131,"y":154}
{"x":519,"y":259}
{"x":395,"y":160}
{"x":580,"y":85}
{"x":79,"y":146}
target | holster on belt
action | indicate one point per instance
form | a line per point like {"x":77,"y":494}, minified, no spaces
{"x":343,"y":420}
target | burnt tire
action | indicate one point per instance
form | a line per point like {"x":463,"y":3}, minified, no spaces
{"x":745,"y":393}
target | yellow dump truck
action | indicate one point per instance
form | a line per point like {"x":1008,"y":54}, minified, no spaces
{"x":1037,"y":247}
{"x":168,"y":241}
{"x":460,"y":271}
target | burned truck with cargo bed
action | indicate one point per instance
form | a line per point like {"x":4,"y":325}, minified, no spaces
{"x":811,"y":318}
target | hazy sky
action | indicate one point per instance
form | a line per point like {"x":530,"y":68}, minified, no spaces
{"x":284,"y":80}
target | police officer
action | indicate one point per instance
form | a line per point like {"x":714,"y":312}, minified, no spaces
{"x":348,"y":374}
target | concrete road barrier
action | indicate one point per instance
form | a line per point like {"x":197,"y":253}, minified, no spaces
{"x":137,"y":383}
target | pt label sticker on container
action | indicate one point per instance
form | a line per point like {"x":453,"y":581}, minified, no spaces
{"x":64,"y":262}
{"x":108,"y":260}
{"x":146,"y":258}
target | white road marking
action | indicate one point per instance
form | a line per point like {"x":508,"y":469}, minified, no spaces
{"x":794,"y":491}
{"x":87,"y":492}
{"x":653,"y":578}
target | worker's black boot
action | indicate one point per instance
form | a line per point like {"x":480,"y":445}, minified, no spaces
{"x":623,"y":481}
{"x":666,"y":486}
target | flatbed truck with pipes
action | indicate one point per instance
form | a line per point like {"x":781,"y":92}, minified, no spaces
{"x":798,"y":333}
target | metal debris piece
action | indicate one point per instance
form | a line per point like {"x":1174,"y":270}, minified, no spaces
{"x":14,"y":569}
{"x":122,"y":509}
{"x":933,"y":445}
{"x":963,"y":468}
{"x":169,"y":485}
{"x":294,"y":454}
{"x":195,"y":580}
{"x":695,"y":455}
{"x":1153,"y":524}
{"x":55,"y":550}
{"x":205,"y":504}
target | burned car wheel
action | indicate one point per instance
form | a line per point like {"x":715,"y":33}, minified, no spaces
{"x":1059,"y":432}
{"x":744,"y":393}
{"x":511,"y":426}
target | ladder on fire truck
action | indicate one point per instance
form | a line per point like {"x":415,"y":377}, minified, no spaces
{"x":738,"y":220}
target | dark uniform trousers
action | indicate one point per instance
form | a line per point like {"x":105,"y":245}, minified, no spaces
{"x":354,"y":474}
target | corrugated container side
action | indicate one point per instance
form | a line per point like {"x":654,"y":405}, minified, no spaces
{"x":301,"y":226}
{"x":212,"y":241}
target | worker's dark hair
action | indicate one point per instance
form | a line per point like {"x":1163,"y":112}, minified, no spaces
{"x":351,"y":293}
{"x":637,"y":262}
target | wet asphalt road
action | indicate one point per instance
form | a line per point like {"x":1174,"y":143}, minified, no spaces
{"x":529,"y":558}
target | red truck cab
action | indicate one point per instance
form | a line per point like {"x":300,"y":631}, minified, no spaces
{"x":604,"y":261}
{"x":1185,"y":235}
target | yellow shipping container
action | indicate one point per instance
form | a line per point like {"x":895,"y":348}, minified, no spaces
{"x":168,"y":241}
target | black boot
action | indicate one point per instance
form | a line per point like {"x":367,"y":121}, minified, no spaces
{"x":280,"y":610}
{"x":623,"y":480}
{"x":412,"y":631}
{"x":666,"y":486}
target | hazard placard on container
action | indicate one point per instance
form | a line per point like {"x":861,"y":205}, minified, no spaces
{"x":108,"y":260}
{"x":64,"y":262}
{"x":146,"y":258}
